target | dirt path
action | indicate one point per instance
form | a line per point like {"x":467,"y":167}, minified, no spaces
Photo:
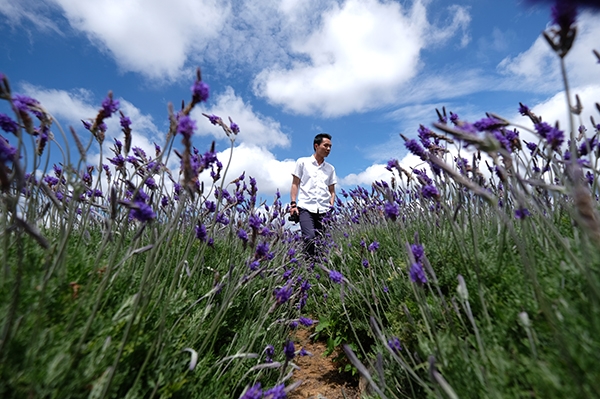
{"x":320,"y":377}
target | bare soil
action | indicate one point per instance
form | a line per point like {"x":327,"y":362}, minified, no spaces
{"x":319,"y":375}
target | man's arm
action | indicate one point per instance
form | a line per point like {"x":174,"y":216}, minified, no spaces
{"x":332,"y":192}
{"x":294,"y":193}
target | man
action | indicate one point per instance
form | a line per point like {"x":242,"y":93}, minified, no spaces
{"x":313,"y":190}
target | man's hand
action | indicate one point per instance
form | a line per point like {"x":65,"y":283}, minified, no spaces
{"x":294,"y":214}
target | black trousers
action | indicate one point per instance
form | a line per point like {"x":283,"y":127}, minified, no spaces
{"x":312,"y":228}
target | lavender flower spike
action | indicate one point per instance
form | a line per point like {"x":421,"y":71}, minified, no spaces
{"x":417,"y":274}
{"x":277,"y":392}
{"x":200,"y":91}
{"x":254,"y":392}
{"x":336,"y":276}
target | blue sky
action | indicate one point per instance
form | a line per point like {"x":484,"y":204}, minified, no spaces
{"x":362,"y":70}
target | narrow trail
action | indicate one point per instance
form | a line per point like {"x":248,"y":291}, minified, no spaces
{"x":319,"y":375}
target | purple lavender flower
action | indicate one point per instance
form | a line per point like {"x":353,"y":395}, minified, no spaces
{"x":138,"y":152}
{"x":51,"y":180}
{"x":142,"y":212}
{"x":542,"y":129}
{"x":391,"y":164}
{"x":269,"y":353}
{"x":277,"y":392}
{"x":425,"y":135}
{"x":109,"y":106}
{"x":336,"y":276}
{"x":151,"y":183}
{"x":261,"y":250}
{"x":234,"y":128}
{"x":523,"y":109}
{"x":214,"y":119}
{"x":430,"y":192}
{"x":7,"y":124}
{"x":589,"y":177}
{"x":391,"y":210}
{"x":365,"y":263}
{"x":504,"y":141}
{"x":87,"y":178}
{"x":164,"y":201}
{"x":415,"y":148}
{"x":210,"y":206}
{"x":224,"y":220}
{"x":531,"y":146}
{"x":417,"y":251}
{"x":564,"y":13}
{"x":283,"y":294}
{"x":394,"y":344}
{"x":23,"y":103}
{"x":453,"y":118}
{"x":555,"y":138}
{"x":303,"y":352}
{"x":467,"y":127}
{"x":374,"y":246}
{"x":186,"y":126}
{"x":253,"y":392}
{"x":201,"y":232}
{"x":200,"y":91}
{"x":417,"y":274}
{"x":125,"y":123}
{"x":118,"y":161}
{"x":588,"y":145}
{"x":305,"y":286}
{"x":254,"y":222}
{"x":522,"y":213}
{"x":289,"y":350}
{"x":306,"y":322}
{"x":488,"y":124}
{"x":242,"y":235}
{"x":254,"y":265}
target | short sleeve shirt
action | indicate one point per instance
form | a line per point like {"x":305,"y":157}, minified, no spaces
{"x":315,"y":179}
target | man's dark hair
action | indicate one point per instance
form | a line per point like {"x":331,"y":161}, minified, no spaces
{"x":319,"y":139}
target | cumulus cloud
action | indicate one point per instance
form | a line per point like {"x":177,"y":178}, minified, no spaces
{"x":153,"y":37}
{"x":69,"y":108}
{"x":373,"y":173}
{"x":270,"y":173}
{"x":554,"y":109}
{"x":363,"y":51}
{"x":255,"y":129}
{"x":251,"y":155}
{"x":538,"y":69}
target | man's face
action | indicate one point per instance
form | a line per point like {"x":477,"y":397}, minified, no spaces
{"x":324,"y":148}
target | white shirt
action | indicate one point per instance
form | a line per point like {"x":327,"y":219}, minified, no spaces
{"x":315,"y":179}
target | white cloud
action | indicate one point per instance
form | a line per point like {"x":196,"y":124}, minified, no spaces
{"x":363,"y":51}
{"x":69,"y":108}
{"x":538,"y":68}
{"x":153,"y":37}
{"x":270,"y":173}
{"x":66,"y":106}
{"x":366,"y":177}
{"x":255,"y":129}
{"x":554,"y":110}
{"x":25,"y":12}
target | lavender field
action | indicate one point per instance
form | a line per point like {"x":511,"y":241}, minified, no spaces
{"x":472,"y":275}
